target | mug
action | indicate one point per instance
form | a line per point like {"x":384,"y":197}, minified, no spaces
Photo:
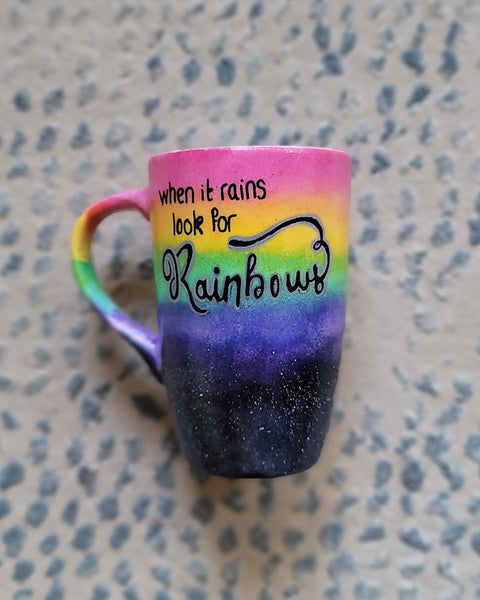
{"x":250,"y":253}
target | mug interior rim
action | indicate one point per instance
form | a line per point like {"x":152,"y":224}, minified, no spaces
{"x":286,"y":149}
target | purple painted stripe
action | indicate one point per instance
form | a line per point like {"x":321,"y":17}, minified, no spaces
{"x":259,"y":343}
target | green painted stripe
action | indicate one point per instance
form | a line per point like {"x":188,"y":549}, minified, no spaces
{"x":232,"y":262}
{"x":90,"y":286}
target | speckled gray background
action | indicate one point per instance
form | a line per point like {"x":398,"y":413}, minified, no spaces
{"x":96,"y":501}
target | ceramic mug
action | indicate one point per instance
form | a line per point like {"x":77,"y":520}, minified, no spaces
{"x":250,"y":253}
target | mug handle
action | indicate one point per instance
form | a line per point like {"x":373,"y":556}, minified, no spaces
{"x":142,"y":338}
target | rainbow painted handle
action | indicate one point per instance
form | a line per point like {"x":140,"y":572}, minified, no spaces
{"x":142,"y":338}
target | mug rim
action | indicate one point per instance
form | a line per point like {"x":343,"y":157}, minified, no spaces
{"x":277,"y":148}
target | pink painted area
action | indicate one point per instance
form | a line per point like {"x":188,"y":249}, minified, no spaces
{"x":301,"y":170}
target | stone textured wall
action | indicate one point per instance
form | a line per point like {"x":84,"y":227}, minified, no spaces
{"x":96,"y":500}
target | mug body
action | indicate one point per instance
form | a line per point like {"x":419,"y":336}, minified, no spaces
{"x":250,"y":258}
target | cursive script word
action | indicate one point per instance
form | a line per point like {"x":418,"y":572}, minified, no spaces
{"x":251,"y":284}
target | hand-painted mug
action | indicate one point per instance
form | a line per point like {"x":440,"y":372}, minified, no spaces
{"x":250,"y":252}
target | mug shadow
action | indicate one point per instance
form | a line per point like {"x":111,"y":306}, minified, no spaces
{"x":124,"y":367}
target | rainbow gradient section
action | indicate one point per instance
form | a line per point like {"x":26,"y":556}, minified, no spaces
{"x":250,"y":249}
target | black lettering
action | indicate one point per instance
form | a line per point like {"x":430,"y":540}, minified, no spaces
{"x":201,"y":289}
{"x":261,"y":186}
{"x":189,"y":249}
{"x":163,"y":194}
{"x":274,"y":285}
{"x":251,"y":276}
{"x":318,"y":279}
{"x":220,"y":222}
{"x":209,"y":191}
{"x":179,"y":227}
{"x":187,"y":226}
{"x":189,"y":190}
{"x":215,"y":293}
{"x":222,"y":191}
{"x":232,"y":192}
{"x":197,"y":224}
{"x":297,"y":284}
{"x":251,"y":284}
{"x":251,"y":183}
{"x":177,"y":279}
{"x":229,"y":280}
{"x":171,"y":274}
{"x":207,"y":289}
{"x":214,"y":214}
{"x":172,"y":193}
{"x":229,"y":221}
